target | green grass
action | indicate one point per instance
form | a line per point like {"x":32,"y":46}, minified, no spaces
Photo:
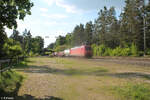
{"x":133,"y":92}
{"x":63,"y":61}
{"x":10,"y":81}
{"x":79,"y":68}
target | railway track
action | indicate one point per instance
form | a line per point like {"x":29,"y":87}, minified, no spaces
{"x":125,"y":60}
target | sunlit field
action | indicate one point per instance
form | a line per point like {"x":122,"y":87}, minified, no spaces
{"x":83,"y":79}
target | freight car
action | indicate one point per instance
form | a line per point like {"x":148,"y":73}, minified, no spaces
{"x":60,"y":54}
{"x":67,"y":52}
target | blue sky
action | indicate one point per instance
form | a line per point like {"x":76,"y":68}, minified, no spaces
{"x":51,"y":18}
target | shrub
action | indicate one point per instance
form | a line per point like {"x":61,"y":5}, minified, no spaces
{"x":94,"y":49}
{"x":108,"y":52}
{"x":12,"y":48}
{"x":9,"y":82}
{"x":148,"y":51}
{"x":101,"y":50}
{"x":134,"y":50}
{"x":126,"y":52}
{"x":117,"y":51}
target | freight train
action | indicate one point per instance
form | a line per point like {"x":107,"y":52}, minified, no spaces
{"x":80,"y":51}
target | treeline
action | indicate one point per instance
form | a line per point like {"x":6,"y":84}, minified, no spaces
{"x":22,"y":45}
{"x":112,"y":36}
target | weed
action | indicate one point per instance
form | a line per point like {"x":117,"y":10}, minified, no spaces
{"x":133,"y":92}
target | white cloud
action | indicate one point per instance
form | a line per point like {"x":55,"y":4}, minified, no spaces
{"x":8,"y":31}
{"x":44,"y":9}
{"x":55,"y":23}
{"x":49,"y":2}
{"x":70,"y":8}
{"x":55,"y":16}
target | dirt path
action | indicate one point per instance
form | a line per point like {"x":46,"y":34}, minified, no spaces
{"x":75,"y":79}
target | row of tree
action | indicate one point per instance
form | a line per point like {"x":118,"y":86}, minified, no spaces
{"x":110,"y":31}
{"x":22,"y":45}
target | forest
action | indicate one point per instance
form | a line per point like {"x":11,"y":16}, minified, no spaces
{"x":110,"y":35}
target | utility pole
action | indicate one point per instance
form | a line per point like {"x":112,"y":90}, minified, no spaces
{"x":144,"y":29}
{"x":144,"y":36}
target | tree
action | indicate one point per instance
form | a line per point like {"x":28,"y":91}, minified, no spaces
{"x":37,"y":45}
{"x":16,"y":36}
{"x":78,"y":35}
{"x":10,"y":10}
{"x":69,"y":41}
{"x":61,"y":40}
{"x":51,"y":46}
{"x":106,"y":28}
{"x":88,"y":32}
{"x":3,"y":39}
{"x":132,"y":23}
{"x":27,"y":41}
{"x":12,"y":48}
{"x":147,"y":18}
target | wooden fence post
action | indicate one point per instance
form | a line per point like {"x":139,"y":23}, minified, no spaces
{"x":1,"y":68}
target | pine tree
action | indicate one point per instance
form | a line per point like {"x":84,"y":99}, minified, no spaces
{"x":88,"y":33}
{"x":132,"y":23}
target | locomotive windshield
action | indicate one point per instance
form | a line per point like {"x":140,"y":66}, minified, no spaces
{"x":88,"y":48}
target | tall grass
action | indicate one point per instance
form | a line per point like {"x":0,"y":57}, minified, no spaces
{"x":133,"y":92}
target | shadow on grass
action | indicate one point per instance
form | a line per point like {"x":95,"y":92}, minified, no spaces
{"x":13,"y":95}
{"x":29,"y":97}
{"x":69,"y":72}
{"x":23,"y":64}
{"x":132,"y":74}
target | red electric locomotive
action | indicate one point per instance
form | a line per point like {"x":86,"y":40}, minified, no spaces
{"x":82,"y":51}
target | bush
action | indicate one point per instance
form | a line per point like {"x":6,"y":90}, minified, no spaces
{"x":12,"y":48}
{"x":102,"y":50}
{"x":108,"y":52}
{"x":134,"y":50}
{"x":126,"y":52}
{"x":117,"y":51}
{"x":121,"y":52}
{"x":148,"y":51}
{"x":94,"y":49}
{"x":9,"y":82}
{"x":98,"y":50}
